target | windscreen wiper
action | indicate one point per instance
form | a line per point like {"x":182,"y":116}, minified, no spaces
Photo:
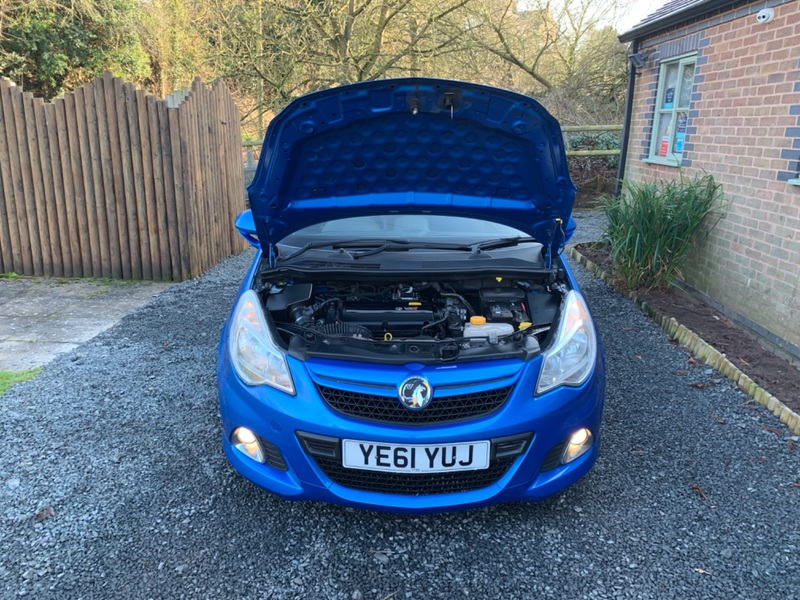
{"x":336,"y":244}
{"x":377,"y":246}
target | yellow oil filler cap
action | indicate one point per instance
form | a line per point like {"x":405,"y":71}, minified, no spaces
{"x":524,"y":325}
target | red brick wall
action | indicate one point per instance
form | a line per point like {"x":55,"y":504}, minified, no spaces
{"x":744,"y":129}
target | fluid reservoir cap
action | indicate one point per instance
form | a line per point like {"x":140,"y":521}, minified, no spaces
{"x":477,"y":320}
{"x":524,"y":325}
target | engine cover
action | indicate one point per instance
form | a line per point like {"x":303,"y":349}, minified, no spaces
{"x":387,"y":316}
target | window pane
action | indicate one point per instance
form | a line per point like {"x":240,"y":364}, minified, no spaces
{"x":680,"y":132}
{"x":670,"y":81}
{"x":662,"y":140}
{"x":687,"y":82}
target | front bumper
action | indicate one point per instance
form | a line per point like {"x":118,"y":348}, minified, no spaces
{"x":286,"y":422}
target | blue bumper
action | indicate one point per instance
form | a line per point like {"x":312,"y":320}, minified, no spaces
{"x":282,"y":420}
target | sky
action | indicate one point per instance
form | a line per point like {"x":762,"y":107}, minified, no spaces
{"x":624,"y":14}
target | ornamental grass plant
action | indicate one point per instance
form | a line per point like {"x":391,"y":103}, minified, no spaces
{"x":653,"y":225}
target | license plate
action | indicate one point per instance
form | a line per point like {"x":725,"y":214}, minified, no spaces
{"x":415,"y":458}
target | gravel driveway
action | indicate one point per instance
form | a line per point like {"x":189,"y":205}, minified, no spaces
{"x":115,"y":447}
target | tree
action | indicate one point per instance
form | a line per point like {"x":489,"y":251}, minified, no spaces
{"x":272,"y":51}
{"x":51,"y":45}
{"x":523,"y":39}
{"x":561,"y":51}
{"x":176,"y":49}
{"x":295,"y":46}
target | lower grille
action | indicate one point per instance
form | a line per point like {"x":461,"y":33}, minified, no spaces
{"x":387,"y":409}
{"x":273,"y":456}
{"x":553,"y":458}
{"x":414,"y":484}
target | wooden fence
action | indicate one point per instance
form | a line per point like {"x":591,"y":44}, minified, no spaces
{"x":109,"y":181}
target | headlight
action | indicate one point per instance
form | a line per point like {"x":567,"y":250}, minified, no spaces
{"x":571,"y":358}
{"x":255,"y":356}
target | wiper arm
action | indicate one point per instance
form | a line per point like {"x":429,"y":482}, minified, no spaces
{"x":395,"y":246}
{"x":503,"y":243}
{"x":334,"y":244}
{"x":303,"y":250}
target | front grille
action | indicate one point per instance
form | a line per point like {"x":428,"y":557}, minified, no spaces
{"x":414,"y":484}
{"x":388,"y":409}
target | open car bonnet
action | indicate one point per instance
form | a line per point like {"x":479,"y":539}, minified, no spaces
{"x":413,"y":146}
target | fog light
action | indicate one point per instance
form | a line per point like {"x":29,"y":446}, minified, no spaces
{"x":578,"y":444}
{"x":246,"y":442}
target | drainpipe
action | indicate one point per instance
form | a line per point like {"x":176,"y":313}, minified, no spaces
{"x":626,"y":124}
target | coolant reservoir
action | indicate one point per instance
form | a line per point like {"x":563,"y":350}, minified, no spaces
{"x":479,"y":328}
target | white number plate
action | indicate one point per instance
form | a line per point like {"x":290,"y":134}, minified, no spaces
{"x":415,"y":458}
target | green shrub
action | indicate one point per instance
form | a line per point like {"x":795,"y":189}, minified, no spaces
{"x":651,"y":227}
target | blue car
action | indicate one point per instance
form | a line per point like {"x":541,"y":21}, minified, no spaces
{"x":408,"y":337}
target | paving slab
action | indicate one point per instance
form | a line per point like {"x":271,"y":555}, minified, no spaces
{"x":41,"y":317}
{"x":9,"y":293}
{"x":21,"y":356}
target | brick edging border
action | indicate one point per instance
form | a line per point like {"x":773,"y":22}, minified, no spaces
{"x":703,"y":351}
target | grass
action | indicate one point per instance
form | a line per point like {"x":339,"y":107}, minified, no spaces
{"x":10,"y":378}
{"x":653,"y":226}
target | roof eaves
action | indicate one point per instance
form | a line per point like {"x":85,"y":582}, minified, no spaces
{"x":671,"y":18}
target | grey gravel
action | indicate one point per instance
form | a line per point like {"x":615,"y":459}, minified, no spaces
{"x":590,"y":225}
{"x":691,"y":498}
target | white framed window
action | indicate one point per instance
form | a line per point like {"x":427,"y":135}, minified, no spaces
{"x":674,"y":95}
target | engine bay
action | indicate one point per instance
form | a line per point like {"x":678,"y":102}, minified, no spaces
{"x":428,"y":320}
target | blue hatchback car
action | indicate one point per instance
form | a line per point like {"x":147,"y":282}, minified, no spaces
{"x":408,"y":337}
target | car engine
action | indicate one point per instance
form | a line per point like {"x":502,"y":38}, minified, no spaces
{"x":437,"y":318}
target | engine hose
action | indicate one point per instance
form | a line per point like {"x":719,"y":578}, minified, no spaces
{"x":435,"y":323}
{"x":470,"y":310}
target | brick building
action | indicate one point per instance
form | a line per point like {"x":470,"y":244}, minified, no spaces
{"x":717,"y":91}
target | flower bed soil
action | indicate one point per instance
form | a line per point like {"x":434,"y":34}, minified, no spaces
{"x":776,"y":375}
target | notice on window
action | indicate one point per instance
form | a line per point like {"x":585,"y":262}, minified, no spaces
{"x":680,"y":132}
{"x":669,"y":97}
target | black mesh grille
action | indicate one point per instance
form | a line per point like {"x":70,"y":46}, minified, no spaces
{"x":387,"y":409}
{"x":273,"y":456}
{"x":553,"y":458}
{"x":414,"y":484}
